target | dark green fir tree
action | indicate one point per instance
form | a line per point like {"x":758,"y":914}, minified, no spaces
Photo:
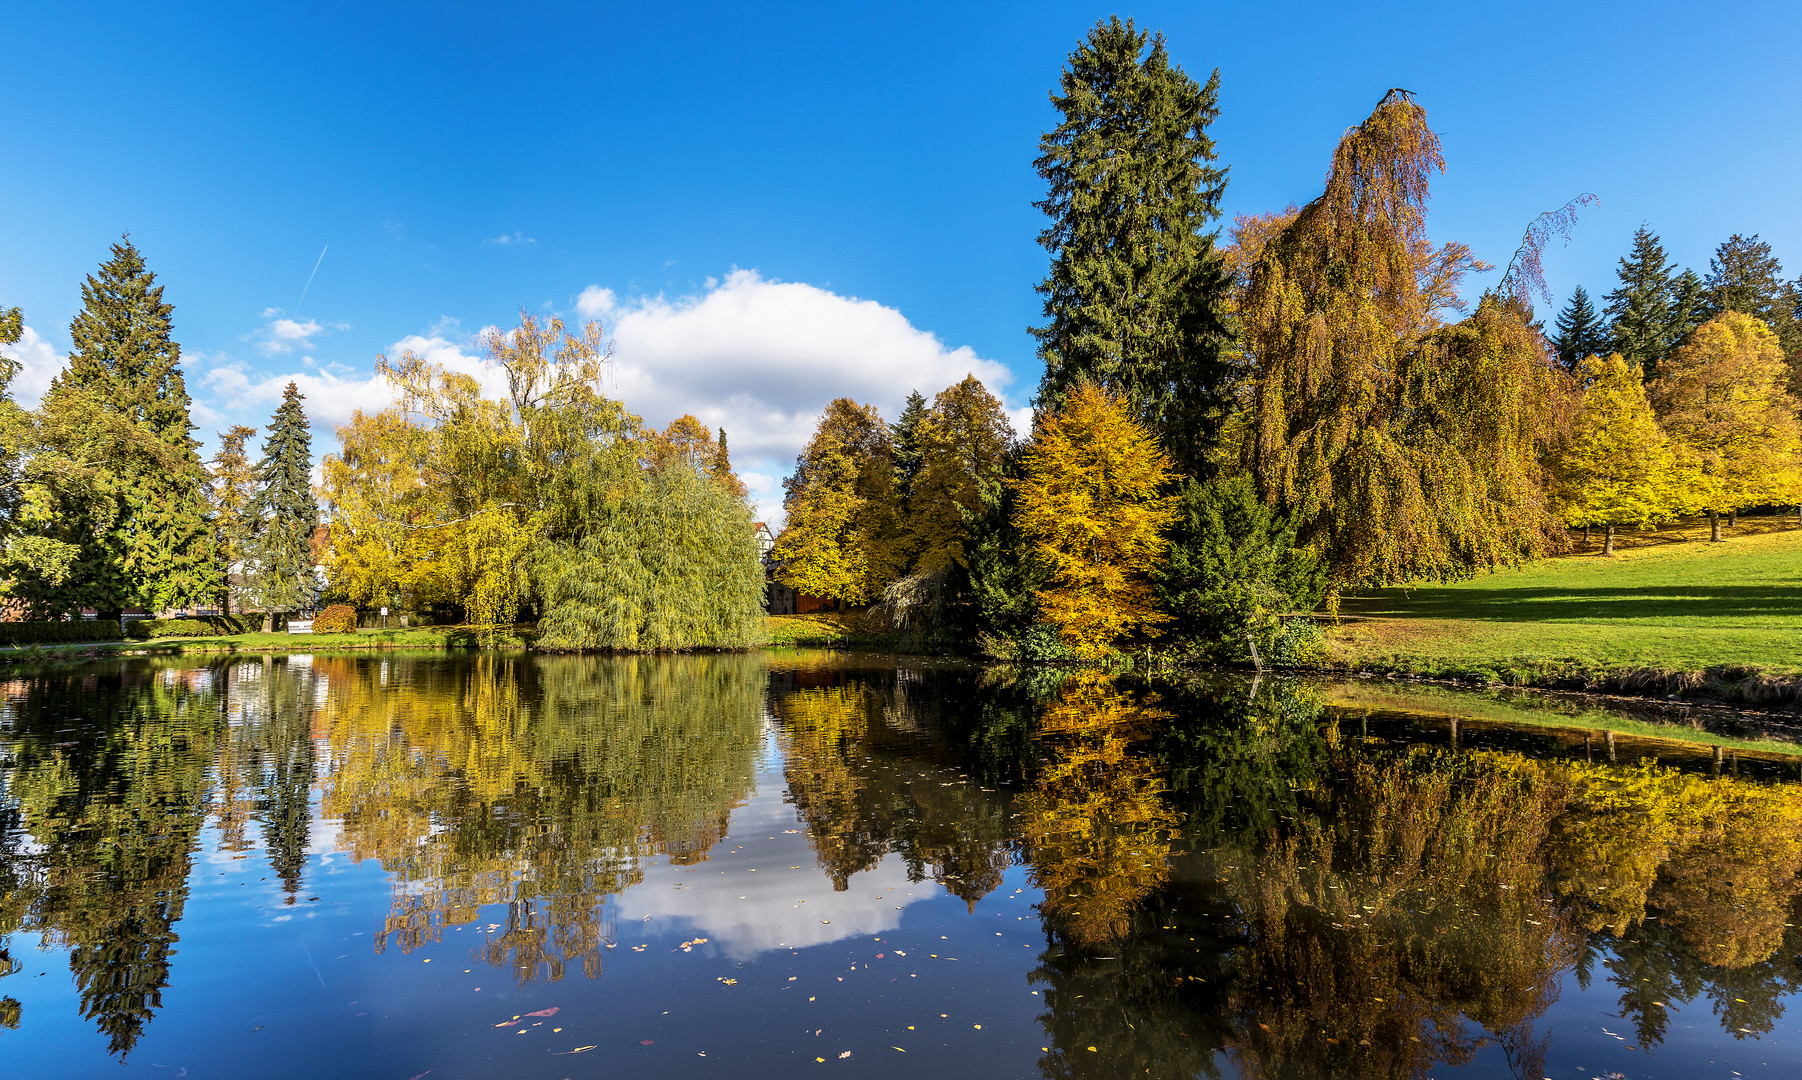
{"x":279,"y":573}
{"x":1639,"y":310}
{"x":1744,"y":276}
{"x":1689,"y":308}
{"x":1137,"y":295}
{"x":141,"y":527}
{"x":907,"y":436}
{"x":1581,"y":331}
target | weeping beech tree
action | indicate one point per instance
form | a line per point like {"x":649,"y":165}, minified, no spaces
{"x":1404,"y":447}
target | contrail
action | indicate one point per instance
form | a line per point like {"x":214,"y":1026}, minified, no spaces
{"x":310,"y":277}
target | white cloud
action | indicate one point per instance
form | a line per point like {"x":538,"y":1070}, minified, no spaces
{"x":283,"y":335}
{"x":744,"y":914}
{"x":762,"y":359}
{"x":514,"y":239}
{"x":39,"y":362}
{"x":333,"y":391}
{"x":758,"y":357}
{"x":596,"y":301}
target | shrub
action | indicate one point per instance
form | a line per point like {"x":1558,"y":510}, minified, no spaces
{"x":34,"y":633}
{"x":197,"y":626}
{"x":337,"y":619}
{"x":1234,"y":570}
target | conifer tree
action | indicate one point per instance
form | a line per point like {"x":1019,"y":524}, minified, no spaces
{"x":1136,"y":297}
{"x":1639,"y":309}
{"x":1581,"y":332}
{"x":722,"y":471}
{"x":906,"y":438}
{"x":1091,"y":513}
{"x":1618,"y":468}
{"x":143,"y":536}
{"x":1689,"y":307}
{"x":963,"y":445}
{"x":279,"y":573}
{"x":1745,"y":276}
{"x":234,"y":486}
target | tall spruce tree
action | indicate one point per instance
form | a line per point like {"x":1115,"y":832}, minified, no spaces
{"x":142,"y":534}
{"x":1639,"y":309}
{"x":1745,"y":276}
{"x":907,"y":433}
{"x":1581,"y":332}
{"x":1136,"y":298}
{"x":279,"y":570}
{"x":1689,"y":308}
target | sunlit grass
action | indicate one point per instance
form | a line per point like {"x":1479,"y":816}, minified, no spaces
{"x":1667,"y":599}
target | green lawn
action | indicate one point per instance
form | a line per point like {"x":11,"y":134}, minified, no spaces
{"x":431,"y":637}
{"x":1669,"y":601}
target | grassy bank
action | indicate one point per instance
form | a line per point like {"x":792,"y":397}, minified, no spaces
{"x":825,"y":630}
{"x":432,"y":637}
{"x":1669,"y":613}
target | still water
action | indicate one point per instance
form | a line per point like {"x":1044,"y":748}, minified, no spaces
{"x":802,"y":864}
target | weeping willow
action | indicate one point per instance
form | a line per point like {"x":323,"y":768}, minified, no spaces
{"x":670,"y":564}
{"x":1407,"y":448}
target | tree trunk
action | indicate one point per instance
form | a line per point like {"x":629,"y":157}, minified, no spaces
{"x":1714,"y":526}
{"x":1733,"y":518}
{"x":1586,"y":530}
{"x":1608,"y":540}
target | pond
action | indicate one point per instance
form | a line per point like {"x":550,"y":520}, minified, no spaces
{"x":399,"y":866}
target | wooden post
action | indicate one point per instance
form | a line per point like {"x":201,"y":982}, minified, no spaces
{"x":1717,"y":761}
{"x":1611,"y":757}
{"x":1457,"y":738}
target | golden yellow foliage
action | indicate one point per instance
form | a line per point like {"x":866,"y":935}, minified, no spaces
{"x":1618,"y":468}
{"x":1092,"y":512}
{"x":1097,"y":824}
{"x":843,"y":536}
{"x":1722,"y":399}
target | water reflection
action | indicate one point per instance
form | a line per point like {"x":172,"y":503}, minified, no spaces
{"x":1228,"y":879}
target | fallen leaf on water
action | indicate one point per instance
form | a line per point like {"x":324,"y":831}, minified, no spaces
{"x":646,"y":1042}
{"x":897,"y":1048}
{"x":552,"y":1011}
{"x":577,"y":1050}
{"x":846,"y":1054}
{"x":819,"y":1059}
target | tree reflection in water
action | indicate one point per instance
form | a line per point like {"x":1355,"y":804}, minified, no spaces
{"x":1231,"y":880}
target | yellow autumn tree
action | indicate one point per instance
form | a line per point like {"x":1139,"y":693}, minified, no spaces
{"x":376,"y":491}
{"x":1721,"y":398}
{"x":1618,"y":468}
{"x":1402,"y":447}
{"x":1091,"y":512}
{"x":963,"y":446}
{"x":843,"y":537}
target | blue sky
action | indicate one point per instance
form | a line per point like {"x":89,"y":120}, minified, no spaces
{"x":774,"y":205}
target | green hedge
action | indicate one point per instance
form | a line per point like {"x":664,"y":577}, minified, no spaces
{"x":44,"y":633}
{"x":199,"y":626}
